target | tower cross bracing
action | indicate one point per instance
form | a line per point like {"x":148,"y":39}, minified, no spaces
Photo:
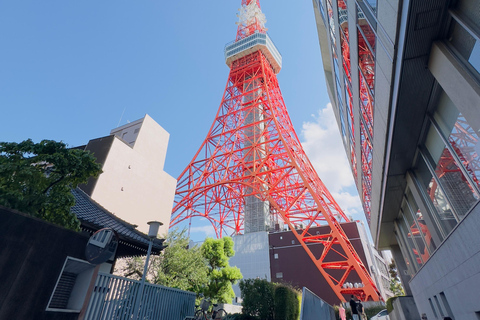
{"x":251,"y":172}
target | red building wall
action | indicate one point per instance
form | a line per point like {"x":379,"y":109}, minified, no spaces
{"x":289,"y":258}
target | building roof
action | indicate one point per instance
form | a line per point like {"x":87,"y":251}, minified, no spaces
{"x":94,"y":217}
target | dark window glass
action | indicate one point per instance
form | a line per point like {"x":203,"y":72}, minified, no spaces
{"x":466,"y":45}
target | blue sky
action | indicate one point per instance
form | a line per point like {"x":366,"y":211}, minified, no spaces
{"x":70,"y":69}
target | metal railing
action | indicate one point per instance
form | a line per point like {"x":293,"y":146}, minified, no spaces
{"x":114,"y":298}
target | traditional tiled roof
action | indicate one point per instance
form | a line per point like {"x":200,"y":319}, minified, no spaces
{"x":94,"y":217}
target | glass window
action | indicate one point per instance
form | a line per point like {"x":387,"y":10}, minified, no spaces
{"x":372,"y":4}
{"x":418,"y":231}
{"x":366,"y":104}
{"x":349,"y":102}
{"x":331,"y":22}
{"x":461,"y":136}
{"x":342,"y":14}
{"x":403,"y":249}
{"x":443,"y":212}
{"x":366,"y":152}
{"x":337,"y":75}
{"x":423,"y":229}
{"x":459,"y":192}
{"x":366,"y":67}
{"x":353,"y":157}
{"x":322,"y":11}
{"x":343,"y":23}
{"x":461,"y":195}
{"x":466,"y":45}
{"x":342,"y":121}
{"x":410,"y":245}
{"x":366,"y":50}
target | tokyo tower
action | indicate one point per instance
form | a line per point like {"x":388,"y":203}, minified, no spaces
{"x":251,"y":173}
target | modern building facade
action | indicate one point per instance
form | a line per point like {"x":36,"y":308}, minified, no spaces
{"x":133,"y":184}
{"x":404,"y":81}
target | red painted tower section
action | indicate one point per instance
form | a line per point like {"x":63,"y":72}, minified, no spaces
{"x":251,"y":172}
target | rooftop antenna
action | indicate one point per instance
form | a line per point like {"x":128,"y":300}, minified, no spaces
{"x":118,"y":125}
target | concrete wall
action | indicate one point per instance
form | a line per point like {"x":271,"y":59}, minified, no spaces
{"x":133,"y":184}
{"x":404,"y":308}
{"x":452,"y":274}
{"x":32,"y":256}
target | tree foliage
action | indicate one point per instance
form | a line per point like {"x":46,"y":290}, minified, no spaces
{"x":221,"y":275}
{"x":181,"y":266}
{"x":37,"y":178}
{"x":201,"y":269}
{"x":178,"y":266}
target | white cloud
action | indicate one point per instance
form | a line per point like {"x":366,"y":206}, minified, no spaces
{"x":324,"y":147}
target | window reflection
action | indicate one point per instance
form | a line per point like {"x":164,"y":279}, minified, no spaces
{"x":418,"y":229}
{"x":367,"y":157}
{"x":443,"y":212}
{"x":410,"y":244}
{"x":331,"y":22}
{"x":461,"y":136}
{"x":466,"y":45}
{"x":372,"y":4}
{"x":463,"y":141}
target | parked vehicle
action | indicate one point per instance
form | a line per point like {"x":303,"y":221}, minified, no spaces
{"x":382,"y":315}
{"x":202,"y":313}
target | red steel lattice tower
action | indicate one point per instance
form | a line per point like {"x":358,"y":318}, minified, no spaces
{"x":251,"y":171}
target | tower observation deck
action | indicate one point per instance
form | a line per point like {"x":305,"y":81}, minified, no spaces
{"x":257,"y":41}
{"x":251,"y":173}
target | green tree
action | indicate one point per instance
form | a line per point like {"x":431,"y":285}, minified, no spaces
{"x":181,"y":266}
{"x":37,"y":178}
{"x":200,"y":269}
{"x":258,"y":298}
{"x":221,"y":276}
{"x":395,"y":284}
{"x":178,"y":266}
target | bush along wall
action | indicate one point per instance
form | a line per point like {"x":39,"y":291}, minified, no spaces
{"x":263,"y":300}
{"x":286,"y":303}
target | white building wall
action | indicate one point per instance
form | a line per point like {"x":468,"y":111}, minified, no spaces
{"x":374,"y":259}
{"x":252,"y":256}
{"x":133,"y":184}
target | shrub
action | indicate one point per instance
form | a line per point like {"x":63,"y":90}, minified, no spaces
{"x":268,"y":301}
{"x":286,"y":303}
{"x":390,"y":304}
{"x":258,"y":298}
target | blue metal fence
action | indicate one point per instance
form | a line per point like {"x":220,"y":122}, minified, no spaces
{"x":113,"y":298}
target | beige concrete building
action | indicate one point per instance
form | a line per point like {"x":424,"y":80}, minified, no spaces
{"x":133,"y":184}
